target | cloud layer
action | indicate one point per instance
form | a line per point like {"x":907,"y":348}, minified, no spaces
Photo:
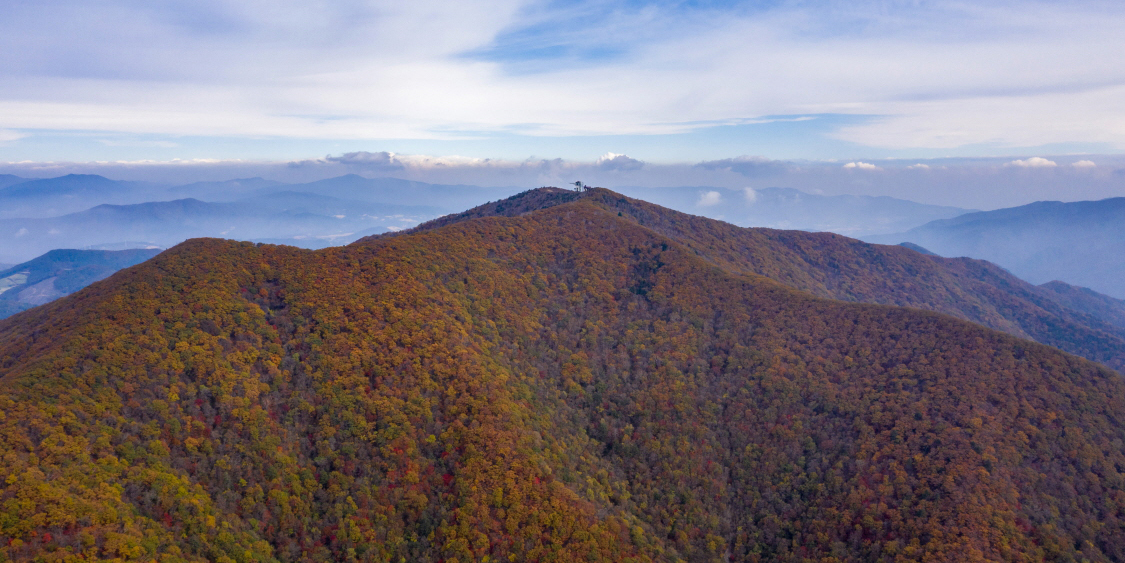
{"x":936,"y":74}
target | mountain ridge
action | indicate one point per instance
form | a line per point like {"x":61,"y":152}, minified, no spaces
{"x":838,"y":267}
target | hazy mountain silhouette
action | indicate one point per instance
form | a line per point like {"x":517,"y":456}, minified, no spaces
{"x":8,"y":180}
{"x":1081,"y":243}
{"x":71,"y":193}
{"x":788,"y":208}
{"x":301,"y":218}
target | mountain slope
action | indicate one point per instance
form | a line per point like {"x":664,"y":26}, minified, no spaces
{"x":837,"y":267}
{"x":60,"y":272}
{"x":564,"y":385}
{"x":1102,"y":307}
{"x":1080,"y":242}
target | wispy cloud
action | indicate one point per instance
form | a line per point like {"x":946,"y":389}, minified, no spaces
{"x":1084,"y":164}
{"x":860,"y":166}
{"x":952,"y":74}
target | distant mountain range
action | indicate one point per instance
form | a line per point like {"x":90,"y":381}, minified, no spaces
{"x":39,"y":198}
{"x":300,"y":218}
{"x":84,"y":211}
{"x":1081,"y":243}
{"x":787,"y":208}
{"x":60,"y":272}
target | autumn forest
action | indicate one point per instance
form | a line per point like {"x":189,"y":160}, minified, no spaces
{"x":562,"y":376}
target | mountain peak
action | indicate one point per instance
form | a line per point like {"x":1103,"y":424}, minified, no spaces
{"x":837,"y":267}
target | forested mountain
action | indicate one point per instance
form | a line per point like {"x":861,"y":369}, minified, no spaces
{"x":568,"y":384}
{"x":60,"y":272}
{"x":1102,"y":307}
{"x":1080,"y":243}
{"x":837,"y":267}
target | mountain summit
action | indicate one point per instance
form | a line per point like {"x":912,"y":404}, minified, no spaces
{"x":559,"y":376}
{"x":838,"y":267}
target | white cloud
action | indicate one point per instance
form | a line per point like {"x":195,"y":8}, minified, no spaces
{"x":1084,"y":164}
{"x":21,"y":232}
{"x":861,"y":166}
{"x":750,"y":194}
{"x":1034,"y":162}
{"x":953,"y":73}
{"x":709,"y":199}
{"x":614,"y":161}
{"x":7,"y":135}
{"x":919,"y":166}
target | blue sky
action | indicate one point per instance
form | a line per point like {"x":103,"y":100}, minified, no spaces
{"x":664,"y":82}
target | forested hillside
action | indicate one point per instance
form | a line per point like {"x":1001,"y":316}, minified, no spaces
{"x":567,"y":385}
{"x":838,"y":267}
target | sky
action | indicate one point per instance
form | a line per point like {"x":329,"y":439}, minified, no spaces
{"x":813,"y":84}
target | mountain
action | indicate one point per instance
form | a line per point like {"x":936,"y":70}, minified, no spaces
{"x":67,"y":194}
{"x":562,"y":384}
{"x":299,"y":218}
{"x":1081,"y":243}
{"x":228,"y":190}
{"x":83,"y":211}
{"x":1088,"y":301}
{"x":788,"y":208}
{"x":8,"y":180}
{"x":837,"y":267}
{"x":69,"y":185}
{"x":401,"y":192}
{"x":60,"y":272}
